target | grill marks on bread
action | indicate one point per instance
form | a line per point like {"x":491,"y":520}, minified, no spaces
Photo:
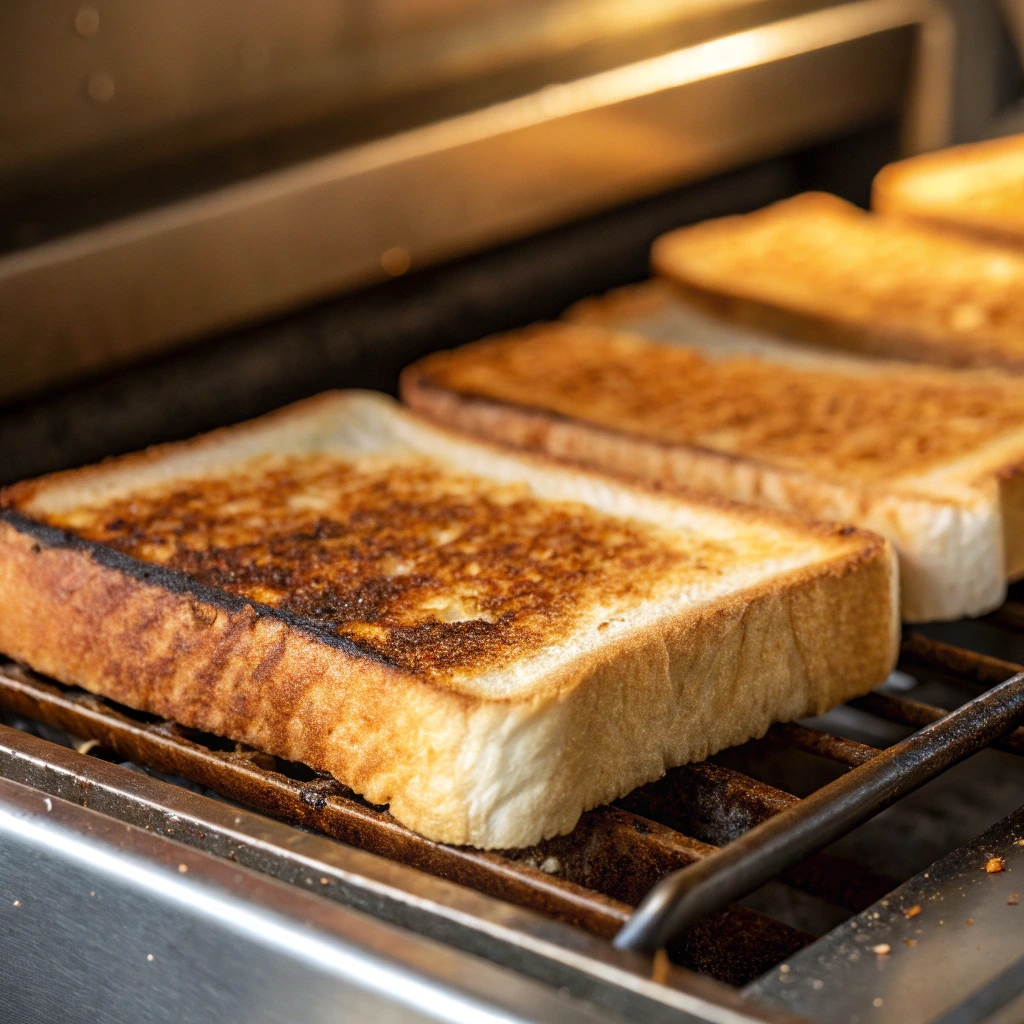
{"x":434,"y":571}
{"x":834,"y":424}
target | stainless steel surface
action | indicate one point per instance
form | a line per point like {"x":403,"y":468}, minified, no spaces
{"x":107,"y":84}
{"x":879,"y":779}
{"x":103,"y":921}
{"x":136,"y":285}
{"x":957,"y":960}
{"x":528,"y":943}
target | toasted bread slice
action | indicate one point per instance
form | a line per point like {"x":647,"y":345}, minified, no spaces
{"x":932,"y":459}
{"x":489,"y":643}
{"x":817,"y":269}
{"x":976,"y":188}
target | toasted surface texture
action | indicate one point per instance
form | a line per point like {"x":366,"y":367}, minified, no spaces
{"x":434,"y":572}
{"x":815,"y":268}
{"x":930,"y":458}
{"x":489,"y":643}
{"x":976,"y":188}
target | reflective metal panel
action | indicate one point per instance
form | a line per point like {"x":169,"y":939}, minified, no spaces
{"x":134,"y":286}
{"x":533,"y":947}
{"x":102,"y":921}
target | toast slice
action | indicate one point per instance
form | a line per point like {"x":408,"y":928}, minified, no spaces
{"x":817,"y":269}
{"x":489,"y":643}
{"x":932,"y":459}
{"x":976,"y":188}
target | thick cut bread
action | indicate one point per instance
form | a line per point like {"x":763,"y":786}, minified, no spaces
{"x":817,"y":269}
{"x":932,"y":459}
{"x":977,"y":189}
{"x":489,"y":643}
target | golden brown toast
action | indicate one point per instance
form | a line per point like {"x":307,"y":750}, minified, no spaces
{"x":817,"y":269}
{"x":977,"y":189}
{"x":932,"y":459}
{"x":489,"y":643}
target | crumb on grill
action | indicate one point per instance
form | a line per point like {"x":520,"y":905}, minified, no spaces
{"x":994,"y":865}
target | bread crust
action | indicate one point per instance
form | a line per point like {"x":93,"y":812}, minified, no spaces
{"x":489,"y":770}
{"x":841,"y":326}
{"x":901,"y":190}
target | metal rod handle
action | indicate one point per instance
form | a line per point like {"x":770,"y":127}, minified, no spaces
{"x":687,"y":895}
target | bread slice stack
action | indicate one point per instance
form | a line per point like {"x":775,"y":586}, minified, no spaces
{"x":645,"y":385}
{"x":489,"y":643}
{"x":817,"y":269}
{"x":977,"y":189}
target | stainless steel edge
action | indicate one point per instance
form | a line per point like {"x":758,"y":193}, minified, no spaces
{"x":955,"y":960}
{"x":103,"y":921}
{"x":534,"y":947}
{"x":135,"y":286}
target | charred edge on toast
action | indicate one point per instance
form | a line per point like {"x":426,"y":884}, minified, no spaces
{"x":177,"y":582}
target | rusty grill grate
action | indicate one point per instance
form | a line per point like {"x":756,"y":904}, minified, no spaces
{"x":594,"y":877}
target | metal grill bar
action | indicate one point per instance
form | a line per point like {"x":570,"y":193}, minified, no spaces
{"x":828,"y":813}
{"x":918,"y":714}
{"x":933,"y":659}
{"x":823,"y":744}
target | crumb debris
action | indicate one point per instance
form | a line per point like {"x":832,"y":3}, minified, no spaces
{"x":551,"y":865}
{"x":942,"y":922}
{"x":182,"y":869}
{"x":877,"y":1001}
{"x":882,"y":949}
{"x":659,"y":973}
{"x":970,"y":921}
{"x":784,"y":969}
{"x":912,"y":911}
{"x":17,"y":903}
{"x":817,"y":984}
{"x":49,"y":804}
{"x":1014,"y":899}
{"x":1020,"y":842}
{"x":325,"y":881}
{"x":149,"y":957}
{"x":910,"y":942}
{"x":994,"y":865}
